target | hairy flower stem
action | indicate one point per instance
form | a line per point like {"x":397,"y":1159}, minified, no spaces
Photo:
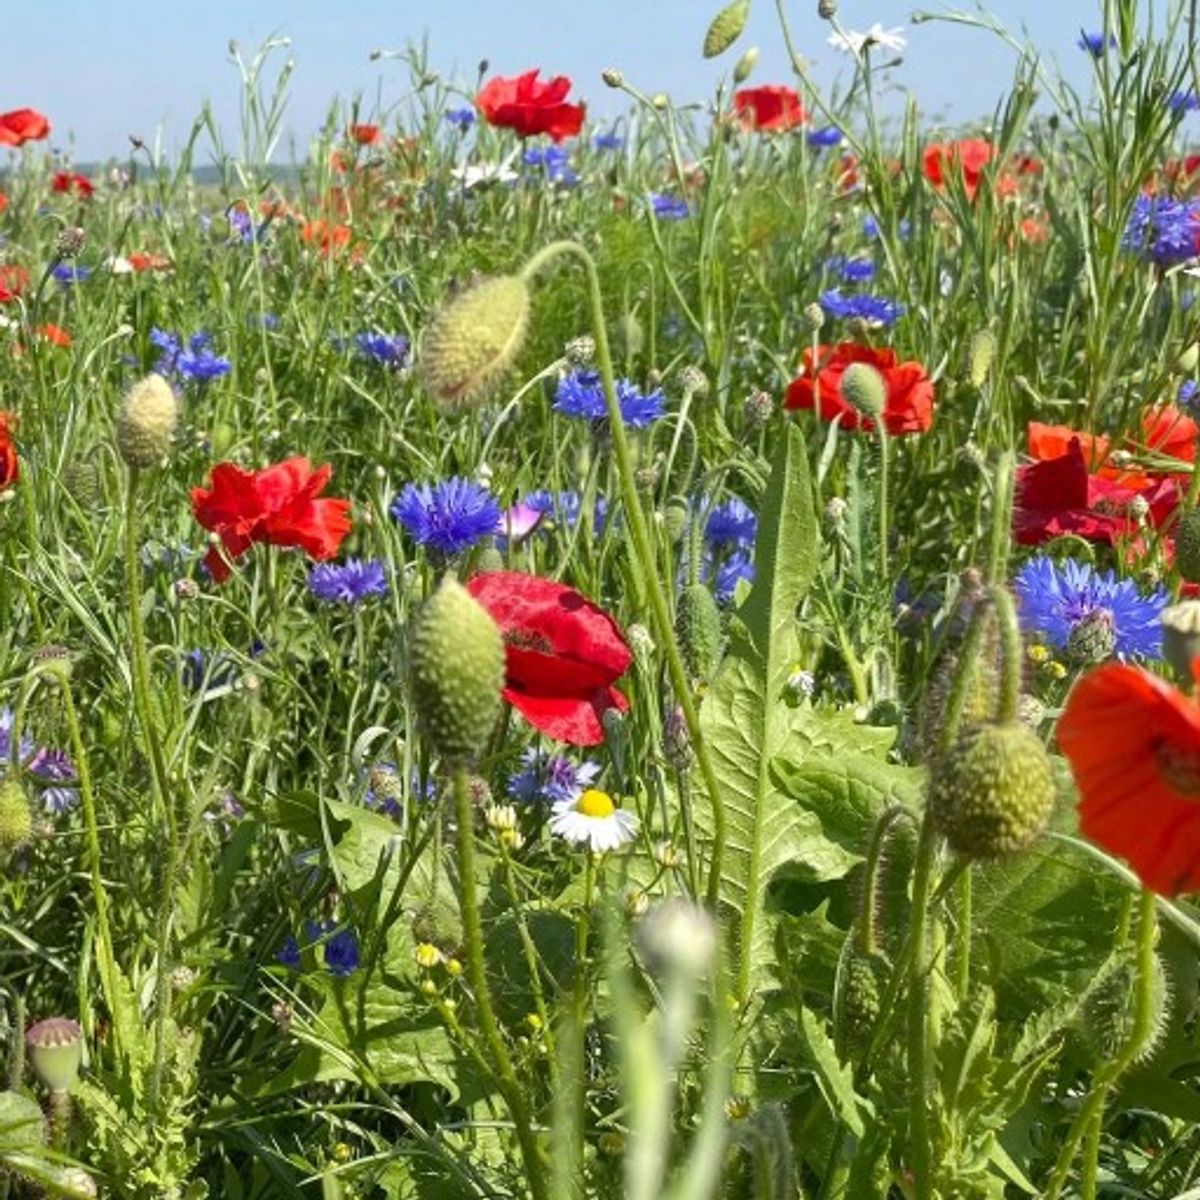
{"x":920,"y":1156}
{"x":501,"y":1062}
{"x":160,"y":789}
{"x":868,"y":937}
{"x":643,"y":552}
{"x":884,"y":455}
{"x":1092,"y":1110}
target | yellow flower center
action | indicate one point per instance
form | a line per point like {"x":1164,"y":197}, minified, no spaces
{"x":594,"y":803}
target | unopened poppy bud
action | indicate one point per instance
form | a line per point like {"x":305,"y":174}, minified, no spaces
{"x":81,"y":478}
{"x":16,"y":816}
{"x":693,"y":380}
{"x":55,"y":1048}
{"x":814,"y":316}
{"x":993,"y":792}
{"x":1189,"y":359}
{"x":979,"y":357}
{"x":757,"y":410}
{"x":661,"y":101}
{"x":745,"y":65}
{"x":857,"y":1002}
{"x":1181,"y":636}
{"x":864,"y":387}
{"x":1187,"y":545}
{"x":698,"y":630}
{"x":629,"y":330}
{"x":456,"y":671}
{"x":675,"y":517}
{"x":613,"y":77}
{"x":473,"y":341}
{"x":827,"y":9}
{"x":146,"y":422}
{"x":580,"y":351}
{"x":1092,"y":639}
{"x":726,"y":27}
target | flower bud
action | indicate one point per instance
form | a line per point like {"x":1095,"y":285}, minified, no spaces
{"x":675,"y":517}
{"x":1181,"y":636}
{"x":146,"y":422}
{"x":726,"y":27}
{"x":1092,"y":639}
{"x":16,"y":816}
{"x":864,"y":387}
{"x":1188,"y":358}
{"x":745,"y":66}
{"x":993,"y":792}
{"x":814,"y":316}
{"x":55,"y":1048}
{"x":757,"y":410}
{"x":473,"y":341}
{"x":698,"y":630}
{"x":456,"y":671}
{"x":678,"y":939}
{"x":1187,"y":545}
{"x":980,"y":354}
{"x":857,"y":1002}
{"x":827,"y":9}
{"x":580,"y":351}
{"x":613,"y":77}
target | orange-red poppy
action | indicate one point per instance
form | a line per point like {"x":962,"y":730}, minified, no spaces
{"x":10,"y":463}
{"x":968,"y":156}
{"x":365,"y":135}
{"x":1133,"y":742}
{"x":771,"y":108}
{"x":23,"y":125}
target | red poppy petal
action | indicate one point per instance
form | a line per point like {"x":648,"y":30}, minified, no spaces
{"x":571,"y":719}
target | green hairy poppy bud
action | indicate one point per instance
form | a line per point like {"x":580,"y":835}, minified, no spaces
{"x":1187,"y":545}
{"x":726,"y":28}
{"x":675,"y":519}
{"x":1108,"y":1010}
{"x":81,"y":478}
{"x":16,"y":817}
{"x":864,"y":387}
{"x":456,"y":670}
{"x":473,"y":341}
{"x":745,"y":66}
{"x":55,"y":1048}
{"x":698,"y":628}
{"x":857,"y":1002}
{"x":1188,"y":359}
{"x":146,"y":422}
{"x":979,"y":357}
{"x":993,"y":792}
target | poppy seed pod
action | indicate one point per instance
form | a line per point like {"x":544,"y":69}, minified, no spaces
{"x":474,"y":340}
{"x":864,"y":387}
{"x":1187,"y":545}
{"x":146,"y":422}
{"x":456,"y":671}
{"x":16,"y":817}
{"x":55,"y":1048}
{"x":726,"y":28}
{"x":993,"y":792}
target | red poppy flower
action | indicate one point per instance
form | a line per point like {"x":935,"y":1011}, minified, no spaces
{"x":149,"y":262}
{"x":365,"y":135}
{"x":64,"y":182}
{"x":969,"y":156}
{"x":13,"y":281}
{"x":563,"y":654}
{"x":10,"y":463}
{"x":909,"y":406}
{"x":770,"y":108}
{"x":22,"y":125}
{"x":277,"y":505}
{"x":1133,"y":742}
{"x":54,"y":334}
{"x":3,"y":202}
{"x":1060,"y":496}
{"x":528,"y":106}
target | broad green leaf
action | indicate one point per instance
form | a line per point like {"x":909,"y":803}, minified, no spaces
{"x":21,"y":1123}
{"x":834,"y":1078}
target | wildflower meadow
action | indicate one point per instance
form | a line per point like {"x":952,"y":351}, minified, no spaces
{"x":550,"y":658}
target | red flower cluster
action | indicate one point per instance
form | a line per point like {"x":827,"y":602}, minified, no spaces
{"x":23,"y":125}
{"x":13,"y":281}
{"x":65,"y":182}
{"x":909,"y":406}
{"x":563,"y":654}
{"x":968,"y":157}
{"x":529,"y":107}
{"x":277,"y":506}
{"x":1134,"y":746}
{"x":771,"y":108}
{"x":365,"y":135}
{"x":10,"y":463}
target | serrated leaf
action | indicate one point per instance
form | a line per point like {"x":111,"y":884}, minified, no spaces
{"x":21,"y":1123}
{"x":834,"y":1078}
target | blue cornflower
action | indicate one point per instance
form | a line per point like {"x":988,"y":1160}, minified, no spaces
{"x":875,"y":310}
{"x":729,"y":573}
{"x":852,"y":270}
{"x":1162,"y":229}
{"x":461,"y":118}
{"x":1055,"y":597}
{"x":608,"y":141}
{"x":1095,"y":43}
{"x":1189,"y":395}
{"x":264,"y":320}
{"x":870,"y":226}
{"x":53,"y":768}
{"x":669,"y":208}
{"x":196,"y":361}
{"x":288,"y":954}
{"x":830,"y":135}
{"x":241,"y":223}
{"x":581,"y":395}
{"x":350,"y":582}
{"x":448,"y":517}
{"x":1185,"y":102}
{"x":731,"y":524}
{"x":555,"y":161}
{"x":561,"y":507}
{"x":552,"y":778}
{"x":387,"y":349}
{"x":67,"y":273}
{"x":341,"y":953}
{"x":27,"y":745}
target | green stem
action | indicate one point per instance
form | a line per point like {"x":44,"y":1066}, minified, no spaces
{"x":639,"y":535}
{"x":1011,"y":646}
{"x":920,"y":1157}
{"x":506,"y":1079}
{"x":1092,"y":1110}
{"x":159,"y":786}
{"x":883,"y":504}
{"x":1002,"y":502}
{"x":868,"y":938}
{"x":962,"y":956}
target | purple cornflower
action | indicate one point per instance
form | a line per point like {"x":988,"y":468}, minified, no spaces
{"x":581,"y":395}
{"x":731,"y":524}
{"x":729,"y":573}
{"x":68,"y":273}
{"x":608,"y":141}
{"x":341,"y":953}
{"x":555,"y":161}
{"x":448,"y":517}
{"x":461,"y":118}
{"x":1184,"y":102}
{"x":53,"y":768}
{"x":852,"y":270}
{"x":350,"y":582}
{"x":288,"y":954}
{"x":1189,"y":396}
{"x":820,"y":139}
{"x":875,"y":310}
{"x":1096,"y":44}
{"x":669,"y":208}
{"x":196,"y":361}
{"x":387,"y":349}
{"x":1162,"y":229}
{"x":552,"y":778}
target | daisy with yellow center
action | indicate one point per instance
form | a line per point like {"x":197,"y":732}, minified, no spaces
{"x":592,"y":819}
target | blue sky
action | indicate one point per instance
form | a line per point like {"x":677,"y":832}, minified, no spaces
{"x":103,"y":69}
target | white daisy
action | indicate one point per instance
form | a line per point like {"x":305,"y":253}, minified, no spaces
{"x":853,"y":43}
{"x":592,"y":819}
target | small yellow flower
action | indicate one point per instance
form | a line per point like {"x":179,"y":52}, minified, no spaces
{"x":427,"y":955}
{"x":737,"y":1108}
{"x":1056,"y":670}
{"x":1038,"y":654}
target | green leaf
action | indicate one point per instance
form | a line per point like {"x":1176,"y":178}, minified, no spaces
{"x":22,"y":1126}
{"x":834,"y":1078}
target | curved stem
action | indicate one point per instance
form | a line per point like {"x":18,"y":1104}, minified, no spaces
{"x":639,"y":536}
{"x":868,"y":940}
{"x":501,"y":1062}
{"x":1010,"y":644}
{"x":920,"y":1156}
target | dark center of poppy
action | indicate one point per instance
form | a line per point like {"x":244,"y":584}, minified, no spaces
{"x":528,"y":639}
{"x":1180,"y":768}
